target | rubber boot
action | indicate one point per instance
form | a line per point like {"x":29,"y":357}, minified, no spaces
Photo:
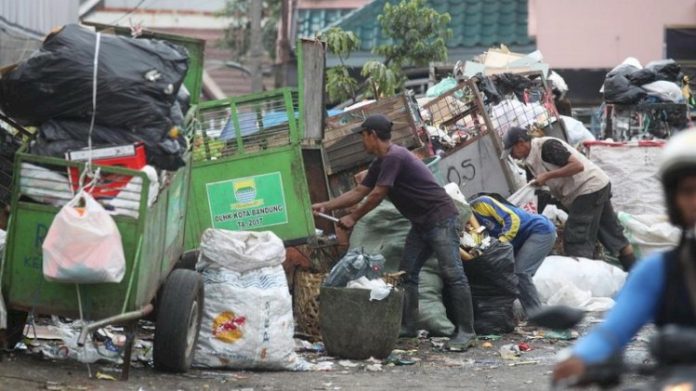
{"x":409,"y":318}
{"x":463,"y":313}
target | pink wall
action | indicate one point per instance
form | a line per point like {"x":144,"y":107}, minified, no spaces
{"x":602,"y":33}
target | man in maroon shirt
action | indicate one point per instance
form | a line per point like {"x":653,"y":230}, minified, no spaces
{"x":396,"y":173}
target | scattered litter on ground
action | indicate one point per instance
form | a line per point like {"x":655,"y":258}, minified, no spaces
{"x":490,"y":337}
{"x":509,"y":352}
{"x":486,"y":345}
{"x":519,"y":363}
{"x":104,"y":376}
{"x":348,"y":364}
{"x":524,"y":347}
{"x":396,"y":359}
{"x":374,"y":368}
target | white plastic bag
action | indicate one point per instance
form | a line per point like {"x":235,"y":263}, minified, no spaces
{"x":581,"y":282}
{"x":525,"y":198}
{"x":83,"y":245}
{"x":247,"y":320}
{"x":648,"y":233}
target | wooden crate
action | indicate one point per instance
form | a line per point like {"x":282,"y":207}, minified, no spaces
{"x":344,"y":150}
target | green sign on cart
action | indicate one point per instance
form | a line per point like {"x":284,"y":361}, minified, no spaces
{"x":247,"y":203}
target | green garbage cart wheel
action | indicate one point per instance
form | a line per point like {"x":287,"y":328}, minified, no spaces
{"x":16,"y":320}
{"x":188,"y":260}
{"x":178,"y":321}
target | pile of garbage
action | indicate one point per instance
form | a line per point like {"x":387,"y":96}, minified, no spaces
{"x":631,"y":83}
{"x":131,"y":88}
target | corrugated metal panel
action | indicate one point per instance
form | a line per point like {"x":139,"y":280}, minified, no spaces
{"x":35,"y":18}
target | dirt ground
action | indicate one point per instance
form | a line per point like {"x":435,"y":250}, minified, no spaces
{"x":482,"y":368}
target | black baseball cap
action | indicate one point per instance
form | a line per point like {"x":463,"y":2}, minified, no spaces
{"x":512,"y":137}
{"x":378,"y":123}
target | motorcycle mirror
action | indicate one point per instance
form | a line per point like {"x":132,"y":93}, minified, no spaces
{"x":558,"y":317}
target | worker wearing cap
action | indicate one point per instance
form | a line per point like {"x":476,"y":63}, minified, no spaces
{"x":581,"y":186}
{"x":413,"y":190}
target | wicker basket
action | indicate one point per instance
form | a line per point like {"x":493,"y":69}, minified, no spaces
{"x":306,"y":303}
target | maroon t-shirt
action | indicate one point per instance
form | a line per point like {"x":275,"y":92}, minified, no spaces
{"x":412,"y":187}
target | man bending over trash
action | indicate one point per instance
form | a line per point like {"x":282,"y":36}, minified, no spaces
{"x":413,"y":190}
{"x":582,"y":187}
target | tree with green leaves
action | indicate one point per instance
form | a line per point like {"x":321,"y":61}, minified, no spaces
{"x":418,"y":36}
{"x":237,"y":35}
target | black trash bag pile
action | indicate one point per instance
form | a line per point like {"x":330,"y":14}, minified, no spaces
{"x":138,"y":81}
{"x":495,"y":87}
{"x":493,"y":288}
{"x":619,"y":89}
{"x":625,"y":83}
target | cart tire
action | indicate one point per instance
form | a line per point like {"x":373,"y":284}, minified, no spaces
{"x":178,"y":321}
{"x":188,"y":260}
{"x":16,"y":320}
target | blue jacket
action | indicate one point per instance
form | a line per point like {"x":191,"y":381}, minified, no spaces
{"x":639,"y":302}
{"x":509,"y":223}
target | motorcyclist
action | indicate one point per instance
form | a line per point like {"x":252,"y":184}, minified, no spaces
{"x":660,"y":288}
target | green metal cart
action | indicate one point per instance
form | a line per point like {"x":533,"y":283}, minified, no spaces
{"x":153,"y":241}
{"x":248,"y":172}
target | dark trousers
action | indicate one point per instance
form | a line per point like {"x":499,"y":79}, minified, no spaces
{"x":592,"y":217}
{"x":443,"y":240}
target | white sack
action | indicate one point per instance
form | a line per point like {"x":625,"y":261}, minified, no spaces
{"x":665,"y":90}
{"x":127,"y":201}
{"x":247,"y":320}
{"x":649,"y":233}
{"x":577,"y":132}
{"x":241,"y":251}
{"x":525,"y":198}
{"x":632,"y":170}
{"x":577,"y":282}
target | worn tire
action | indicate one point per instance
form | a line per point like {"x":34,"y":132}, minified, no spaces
{"x":16,"y":320}
{"x":178,"y":321}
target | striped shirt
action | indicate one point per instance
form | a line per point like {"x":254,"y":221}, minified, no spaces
{"x":509,"y":223}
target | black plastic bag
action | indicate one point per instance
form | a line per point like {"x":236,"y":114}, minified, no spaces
{"x":666,"y":70}
{"x":137,"y":80}
{"x":508,"y":83}
{"x":493,"y":288}
{"x":485,"y":85}
{"x":642,"y":76}
{"x":619,"y":89}
{"x":59,"y":136}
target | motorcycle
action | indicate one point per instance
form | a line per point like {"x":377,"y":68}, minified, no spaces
{"x":672,"y":347}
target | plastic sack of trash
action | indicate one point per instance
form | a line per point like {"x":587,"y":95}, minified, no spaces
{"x":83,"y":244}
{"x":432,"y":315}
{"x":525,"y":198}
{"x":577,"y":132}
{"x":137,"y":80}
{"x":56,"y":137}
{"x":493,"y":288}
{"x":649,"y":233}
{"x":665,"y":91}
{"x":355,"y":264}
{"x":577,"y":282}
{"x":618,"y":88}
{"x":247,"y":320}
{"x":379,"y":289}
{"x":240,"y":251}
{"x":44,"y":185}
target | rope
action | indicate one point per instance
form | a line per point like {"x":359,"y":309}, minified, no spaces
{"x":88,"y":167}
